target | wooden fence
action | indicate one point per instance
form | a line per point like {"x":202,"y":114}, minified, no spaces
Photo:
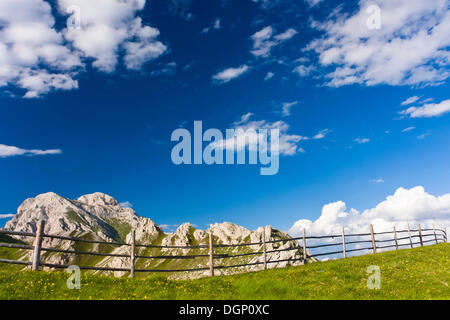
{"x":437,"y":235}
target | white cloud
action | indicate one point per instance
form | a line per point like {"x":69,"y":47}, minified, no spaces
{"x":28,"y":40}
{"x":408,"y":129}
{"x":168,"y":69}
{"x":166,"y":227}
{"x":269,"y":76}
{"x":378,"y":180}
{"x":313,"y":3}
{"x":410,"y":100}
{"x":215,"y":26}
{"x":286,"y":108}
{"x":413,"y":205}
{"x":322,"y":134}
{"x":303,"y":70}
{"x":362,"y":140}
{"x":146,"y":48}
{"x":109,"y":25}
{"x":267,"y":4}
{"x":287,"y":142}
{"x":126,"y":204}
{"x":39,"y":58}
{"x":411,"y":47}
{"x":230,"y":74}
{"x":40,"y":82}
{"x":9,"y":151}
{"x":289,"y":33}
{"x":428,"y":110}
{"x":6,"y":216}
{"x":244,"y":119}
{"x":264,"y":40}
{"x":423,"y":135}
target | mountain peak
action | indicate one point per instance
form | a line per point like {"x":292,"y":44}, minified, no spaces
{"x":98,"y":198}
{"x":48,"y":195}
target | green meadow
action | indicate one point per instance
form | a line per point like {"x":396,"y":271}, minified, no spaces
{"x":419,"y":273}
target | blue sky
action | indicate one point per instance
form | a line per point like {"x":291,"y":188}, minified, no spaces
{"x":105,"y":126}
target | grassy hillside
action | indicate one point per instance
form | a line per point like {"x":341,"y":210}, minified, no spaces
{"x":420,"y":273}
{"x":10,"y":253}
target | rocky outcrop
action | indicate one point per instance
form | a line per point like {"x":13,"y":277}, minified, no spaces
{"x":183,"y":236}
{"x":94,"y":216}
{"x":96,"y":213}
{"x":229,"y":233}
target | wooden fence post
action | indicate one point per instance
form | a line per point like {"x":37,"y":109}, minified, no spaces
{"x":374,"y":246}
{"x":435,"y":236}
{"x":410,"y":238}
{"x":132,"y":253}
{"x":343,"y":244}
{"x":211,"y":254}
{"x":395,"y":239}
{"x":264,"y":247}
{"x":445,"y":234}
{"x":37,"y":245}
{"x":304,"y":246}
{"x":420,"y":235}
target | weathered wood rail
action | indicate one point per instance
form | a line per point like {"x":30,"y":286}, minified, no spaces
{"x":439,"y":235}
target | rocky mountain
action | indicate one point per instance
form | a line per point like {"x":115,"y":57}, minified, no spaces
{"x":100,"y":216}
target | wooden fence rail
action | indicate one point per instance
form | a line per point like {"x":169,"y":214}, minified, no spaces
{"x":438,"y":235}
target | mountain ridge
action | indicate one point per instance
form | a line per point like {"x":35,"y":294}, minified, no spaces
{"x":100,"y":216}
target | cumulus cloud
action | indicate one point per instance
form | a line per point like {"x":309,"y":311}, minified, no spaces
{"x":265,"y":39}
{"x":106,"y":27}
{"x":169,"y":69}
{"x":313,"y":3}
{"x":428,"y":110}
{"x":38,"y":57}
{"x":303,"y":70}
{"x":230,"y":74}
{"x":411,"y":46}
{"x":247,"y":136}
{"x":405,"y":206}
{"x":38,"y":82}
{"x":28,"y":40}
{"x":9,"y":151}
